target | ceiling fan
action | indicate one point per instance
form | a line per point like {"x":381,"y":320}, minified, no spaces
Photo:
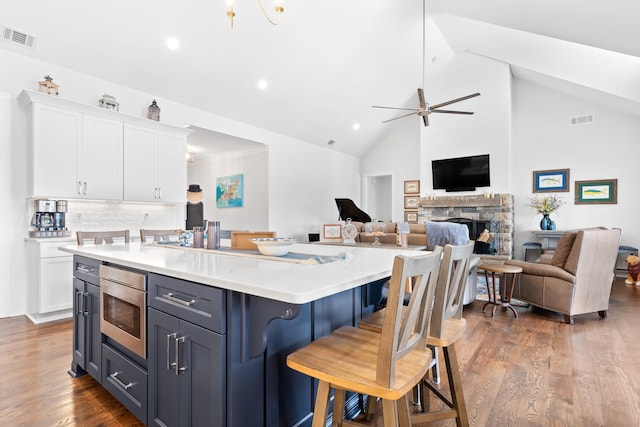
{"x":424,"y":109}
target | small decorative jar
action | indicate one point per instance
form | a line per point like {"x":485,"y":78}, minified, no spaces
{"x":154,"y":111}
{"x":109,"y":102}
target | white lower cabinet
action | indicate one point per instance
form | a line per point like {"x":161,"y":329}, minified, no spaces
{"x":50,"y":281}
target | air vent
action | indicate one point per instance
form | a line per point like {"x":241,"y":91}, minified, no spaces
{"x":17,"y":37}
{"x":582,"y":120}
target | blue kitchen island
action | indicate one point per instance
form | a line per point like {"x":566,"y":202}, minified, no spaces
{"x":219,"y":326}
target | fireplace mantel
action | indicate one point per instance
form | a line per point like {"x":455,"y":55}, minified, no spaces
{"x":459,"y":201}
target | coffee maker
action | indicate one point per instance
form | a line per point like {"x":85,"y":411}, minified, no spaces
{"x":49,"y":219}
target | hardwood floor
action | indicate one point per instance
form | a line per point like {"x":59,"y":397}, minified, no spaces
{"x":531,"y":371}
{"x":35,"y":389}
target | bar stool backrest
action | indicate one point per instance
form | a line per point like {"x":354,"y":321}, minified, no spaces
{"x":404,"y":330}
{"x":100,"y":237}
{"x":158,"y":235}
{"x":452,"y":280}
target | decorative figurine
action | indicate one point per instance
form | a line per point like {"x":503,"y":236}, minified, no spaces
{"x":154,"y":111}
{"x":109,"y":102}
{"x":195,"y":207}
{"x":47,"y":84}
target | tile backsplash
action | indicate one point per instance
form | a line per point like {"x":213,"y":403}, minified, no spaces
{"x":108,"y":215}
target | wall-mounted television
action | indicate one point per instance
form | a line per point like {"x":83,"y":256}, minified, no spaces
{"x":461,"y":173}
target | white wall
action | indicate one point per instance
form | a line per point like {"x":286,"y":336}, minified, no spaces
{"x":253,"y":164}
{"x":544,"y":139}
{"x":6,"y":203}
{"x":303,"y":178}
{"x":487,"y":131}
{"x":396,"y":154}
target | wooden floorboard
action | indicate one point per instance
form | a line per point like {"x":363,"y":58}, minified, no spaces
{"x":531,"y":371}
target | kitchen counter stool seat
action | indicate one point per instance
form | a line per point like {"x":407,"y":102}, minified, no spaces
{"x":386,"y":365}
{"x":100,"y":237}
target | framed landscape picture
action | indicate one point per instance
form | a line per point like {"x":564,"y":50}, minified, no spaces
{"x":601,"y":191}
{"x":411,"y":202}
{"x":412,"y":187}
{"x":411,"y":217}
{"x":550,"y":181}
{"x":332,"y":231}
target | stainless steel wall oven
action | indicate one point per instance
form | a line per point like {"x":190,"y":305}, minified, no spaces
{"x":123,"y":307}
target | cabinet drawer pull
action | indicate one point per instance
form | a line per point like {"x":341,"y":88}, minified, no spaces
{"x":115,"y":378}
{"x":171,"y":298}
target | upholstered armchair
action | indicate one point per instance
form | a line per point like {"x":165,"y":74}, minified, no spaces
{"x":577,"y":279}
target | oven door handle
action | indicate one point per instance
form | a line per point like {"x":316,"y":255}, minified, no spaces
{"x":169,"y":296}
{"x":170,"y":364}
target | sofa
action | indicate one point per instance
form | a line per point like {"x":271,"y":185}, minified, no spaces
{"x":576,"y":278}
{"x":430,"y":234}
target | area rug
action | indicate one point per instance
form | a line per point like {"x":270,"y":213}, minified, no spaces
{"x":481,"y":292}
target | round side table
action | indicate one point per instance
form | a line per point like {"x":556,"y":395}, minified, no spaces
{"x":505,"y":300}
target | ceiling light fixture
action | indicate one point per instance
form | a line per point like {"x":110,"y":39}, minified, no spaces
{"x":279,"y":8}
{"x":172,"y":43}
{"x":262,"y":84}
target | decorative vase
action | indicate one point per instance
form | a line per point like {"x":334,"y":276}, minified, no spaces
{"x":552,"y":225}
{"x":545,"y":222}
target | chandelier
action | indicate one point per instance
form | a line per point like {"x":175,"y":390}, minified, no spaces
{"x":278,"y":8}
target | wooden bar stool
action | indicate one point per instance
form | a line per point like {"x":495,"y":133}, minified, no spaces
{"x":447,"y":325}
{"x":159,"y":235}
{"x":386,"y":365}
{"x":100,"y":237}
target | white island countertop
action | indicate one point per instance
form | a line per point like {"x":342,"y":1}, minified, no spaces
{"x":283,"y":281}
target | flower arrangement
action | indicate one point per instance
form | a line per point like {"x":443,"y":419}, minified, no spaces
{"x":546,"y":204}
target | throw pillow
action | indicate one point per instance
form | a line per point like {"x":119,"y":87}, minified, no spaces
{"x":562,"y":250}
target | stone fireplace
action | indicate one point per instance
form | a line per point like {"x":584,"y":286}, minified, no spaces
{"x":493,"y":213}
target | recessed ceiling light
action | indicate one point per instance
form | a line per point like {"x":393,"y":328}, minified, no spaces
{"x":262,"y":84}
{"x":173,"y":43}
{"x":356,"y":126}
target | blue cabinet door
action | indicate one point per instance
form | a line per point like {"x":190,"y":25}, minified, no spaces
{"x":93,"y":338}
{"x":202,"y":378}
{"x":164,"y":393}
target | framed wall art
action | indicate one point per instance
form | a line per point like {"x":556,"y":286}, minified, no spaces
{"x":332,"y":231}
{"x":229,"y":191}
{"x":411,"y":217}
{"x":412,"y":187}
{"x":411,"y":202}
{"x":601,"y":191}
{"x":549,"y":181}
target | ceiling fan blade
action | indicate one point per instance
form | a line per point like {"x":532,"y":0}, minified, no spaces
{"x":394,"y":108}
{"x":396,"y":118}
{"x":433,"y":107}
{"x":425,"y":119}
{"x":423,"y":103}
{"x":452,"y":112}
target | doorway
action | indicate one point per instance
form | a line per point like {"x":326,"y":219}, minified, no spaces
{"x":378,"y":197}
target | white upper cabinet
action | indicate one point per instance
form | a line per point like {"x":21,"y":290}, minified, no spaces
{"x":83,"y":151}
{"x":56,"y":136}
{"x":100,"y":165}
{"x":155,"y":167}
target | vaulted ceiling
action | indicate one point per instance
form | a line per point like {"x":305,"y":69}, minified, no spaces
{"x":329,"y":61}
